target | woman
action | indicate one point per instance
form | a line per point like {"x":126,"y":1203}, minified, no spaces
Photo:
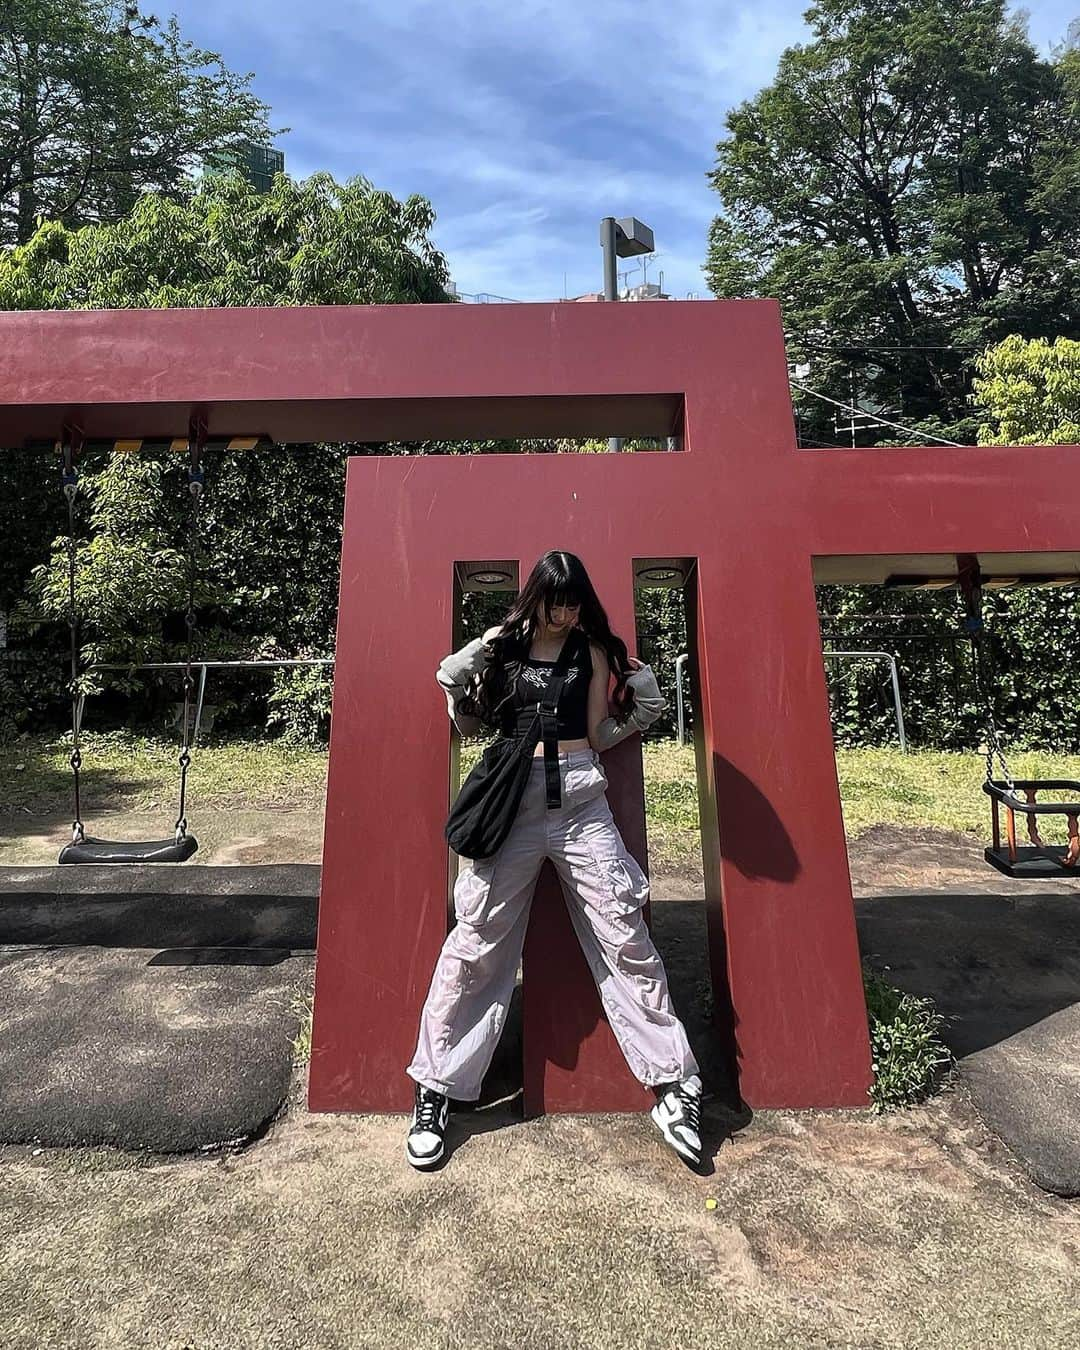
{"x":486,"y":683}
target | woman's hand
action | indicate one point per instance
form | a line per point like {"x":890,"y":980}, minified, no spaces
{"x":470,"y":660}
{"x":649,"y":702}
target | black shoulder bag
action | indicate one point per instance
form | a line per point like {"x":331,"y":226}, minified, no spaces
{"x":488,"y":802}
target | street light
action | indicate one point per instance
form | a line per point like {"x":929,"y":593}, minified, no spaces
{"x":623,"y":238}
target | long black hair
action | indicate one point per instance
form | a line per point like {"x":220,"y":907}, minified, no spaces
{"x":558,"y":578}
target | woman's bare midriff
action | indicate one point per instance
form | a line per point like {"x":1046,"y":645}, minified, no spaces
{"x":581,"y":744}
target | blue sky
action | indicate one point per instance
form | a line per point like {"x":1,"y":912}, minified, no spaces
{"x":523,"y":121}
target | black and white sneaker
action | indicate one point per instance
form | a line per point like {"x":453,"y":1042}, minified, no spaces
{"x":677,"y":1114}
{"x":424,"y":1146}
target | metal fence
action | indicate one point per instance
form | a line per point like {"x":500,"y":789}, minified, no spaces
{"x":933,"y":669}
{"x":918,"y":687}
{"x":203,"y":667}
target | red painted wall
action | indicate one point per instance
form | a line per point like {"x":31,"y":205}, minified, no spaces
{"x":740,"y":499}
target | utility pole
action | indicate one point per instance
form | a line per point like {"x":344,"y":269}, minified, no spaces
{"x":625,"y":238}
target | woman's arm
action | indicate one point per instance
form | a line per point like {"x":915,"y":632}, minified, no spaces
{"x":456,"y":676}
{"x":606,"y":731}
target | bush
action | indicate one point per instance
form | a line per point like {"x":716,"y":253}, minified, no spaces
{"x":905,"y":1044}
{"x":12,"y":708}
{"x":33,"y":692}
{"x":300,"y":704}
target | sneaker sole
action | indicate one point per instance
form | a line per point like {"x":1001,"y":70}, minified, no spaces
{"x":677,"y":1144}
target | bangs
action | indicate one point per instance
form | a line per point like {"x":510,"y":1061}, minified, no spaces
{"x":567,"y":596}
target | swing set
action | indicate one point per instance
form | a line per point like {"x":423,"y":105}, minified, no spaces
{"x":715,"y":374}
{"x":1037,"y":859}
{"x":182,"y":844}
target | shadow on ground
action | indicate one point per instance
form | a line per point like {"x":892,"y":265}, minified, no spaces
{"x":89,"y":1017}
{"x":104,"y":787}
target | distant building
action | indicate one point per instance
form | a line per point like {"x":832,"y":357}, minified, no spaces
{"x":257,"y":163}
{"x":647,"y":291}
{"x":479,"y":297}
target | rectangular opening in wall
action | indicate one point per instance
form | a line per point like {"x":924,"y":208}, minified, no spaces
{"x":665,"y":614}
{"x":667,"y":747}
{"x":483,"y":590}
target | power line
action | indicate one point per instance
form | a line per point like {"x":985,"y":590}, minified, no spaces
{"x":857,"y":347}
{"x":882,"y":421}
{"x":821,"y":445}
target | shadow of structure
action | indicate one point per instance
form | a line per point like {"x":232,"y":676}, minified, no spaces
{"x":271,"y":907}
{"x":994,"y":964}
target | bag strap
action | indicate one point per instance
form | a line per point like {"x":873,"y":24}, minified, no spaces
{"x":549,"y":716}
{"x":549,"y":733}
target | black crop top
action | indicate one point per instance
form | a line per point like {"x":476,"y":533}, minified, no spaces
{"x":533,"y":680}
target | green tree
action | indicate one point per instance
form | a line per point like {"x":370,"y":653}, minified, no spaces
{"x":129,"y":571}
{"x":1029,"y":392}
{"x":909,"y":180}
{"x":100,"y":103}
{"x":310,"y":242}
{"x":313,"y":242}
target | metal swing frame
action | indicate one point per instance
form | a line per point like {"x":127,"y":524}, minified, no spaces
{"x":1035,"y":859}
{"x":85,"y":848}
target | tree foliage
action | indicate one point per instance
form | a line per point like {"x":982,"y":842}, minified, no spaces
{"x":100,"y":103}
{"x":130,"y":570}
{"x":909,"y":180}
{"x":1030,"y":392}
{"x":310,"y":242}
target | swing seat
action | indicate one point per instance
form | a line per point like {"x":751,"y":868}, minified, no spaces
{"x":112,"y":851}
{"x":1037,"y":859}
{"x":1032,"y":862}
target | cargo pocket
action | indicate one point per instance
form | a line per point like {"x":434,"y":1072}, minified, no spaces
{"x":624,"y":887}
{"x":582,"y":783}
{"x":472,"y":892}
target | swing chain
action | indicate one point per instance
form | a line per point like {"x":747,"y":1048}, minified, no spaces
{"x":69,"y":480}
{"x":994,"y":747}
{"x":196,"y":483}
{"x":982,"y":665}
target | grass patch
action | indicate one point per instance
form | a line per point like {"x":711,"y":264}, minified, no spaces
{"x":303,"y":1007}
{"x":942,"y":789}
{"x":122,"y":771}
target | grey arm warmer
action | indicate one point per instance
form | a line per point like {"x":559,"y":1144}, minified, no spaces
{"x":649,"y":703}
{"x":456,"y":675}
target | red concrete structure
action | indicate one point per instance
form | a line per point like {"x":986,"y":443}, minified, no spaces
{"x":750,"y":521}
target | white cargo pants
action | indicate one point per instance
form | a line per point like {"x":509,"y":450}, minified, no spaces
{"x":604,"y":888}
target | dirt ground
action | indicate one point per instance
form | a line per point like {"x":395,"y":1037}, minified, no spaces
{"x":884,"y":856}
{"x":263,"y":836}
{"x":831,"y":1229}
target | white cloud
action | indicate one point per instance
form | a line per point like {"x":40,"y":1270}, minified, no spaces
{"x":524,"y":123}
